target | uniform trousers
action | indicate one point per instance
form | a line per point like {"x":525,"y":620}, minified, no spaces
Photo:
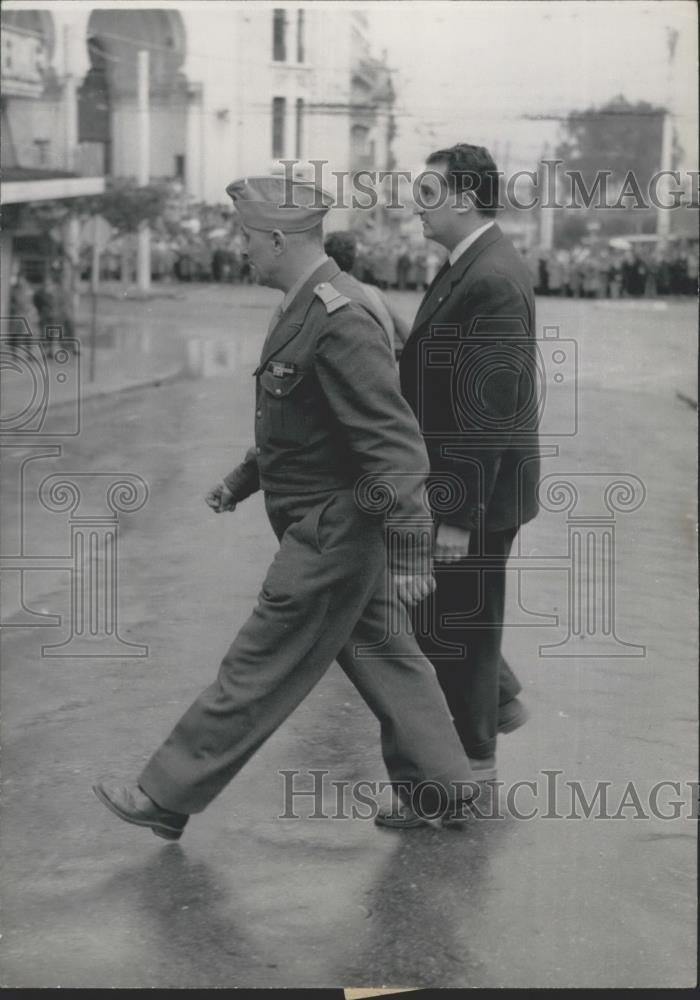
{"x":326,"y":595}
{"x":460,"y":629}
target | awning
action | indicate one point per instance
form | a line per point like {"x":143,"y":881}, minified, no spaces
{"x":20,"y":185}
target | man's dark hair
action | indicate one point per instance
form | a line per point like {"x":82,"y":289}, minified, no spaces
{"x":470,"y":168}
{"x":342,"y":247}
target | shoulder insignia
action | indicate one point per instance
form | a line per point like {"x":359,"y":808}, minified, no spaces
{"x":331,"y":297}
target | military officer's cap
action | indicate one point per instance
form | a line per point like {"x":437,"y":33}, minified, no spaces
{"x":275,"y":202}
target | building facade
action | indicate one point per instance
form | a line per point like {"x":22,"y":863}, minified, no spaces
{"x":232,"y":90}
{"x":283,"y":83}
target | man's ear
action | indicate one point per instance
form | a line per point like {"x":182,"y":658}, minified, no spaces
{"x":464,"y":202}
{"x":279,"y":241}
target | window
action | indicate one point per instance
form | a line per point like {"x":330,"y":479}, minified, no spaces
{"x":279,"y":32}
{"x":299,"y":144}
{"x":179,"y":166}
{"x":279,"y":110}
{"x":300,"y":36}
{"x":42,"y":151}
{"x":359,"y":139}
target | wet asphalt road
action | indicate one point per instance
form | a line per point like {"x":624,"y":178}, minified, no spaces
{"x":248,"y":899}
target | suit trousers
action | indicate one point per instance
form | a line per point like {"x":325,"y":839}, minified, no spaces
{"x":460,"y":628}
{"x":326,"y":595}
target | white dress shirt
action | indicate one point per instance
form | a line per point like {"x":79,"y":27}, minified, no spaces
{"x":464,"y":245}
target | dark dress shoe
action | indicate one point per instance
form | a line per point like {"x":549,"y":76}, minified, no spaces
{"x":400,"y":816}
{"x":134,"y":806}
{"x":512,"y":716}
{"x":460,"y":814}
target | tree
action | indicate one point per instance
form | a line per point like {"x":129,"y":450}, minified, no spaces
{"x":619,"y":137}
{"x":624,"y":140}
{"x":125,"y":205}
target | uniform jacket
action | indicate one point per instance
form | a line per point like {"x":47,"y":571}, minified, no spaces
{"x":329,"y":409}
{"x":469,"y":371}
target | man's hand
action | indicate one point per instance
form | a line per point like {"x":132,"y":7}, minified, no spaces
{"x":414,"y":588}
{"x":451,"y":544}
{"x":220,"y":498}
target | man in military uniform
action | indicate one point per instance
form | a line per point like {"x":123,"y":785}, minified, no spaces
{"x":328,"y":412}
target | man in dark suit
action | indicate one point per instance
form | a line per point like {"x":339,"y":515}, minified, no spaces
{"x":469,"y":372}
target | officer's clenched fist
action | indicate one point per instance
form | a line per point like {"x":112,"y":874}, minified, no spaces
{"x":220,"y":498}
{"x":413,"y":588}
{"x":451,"y":544}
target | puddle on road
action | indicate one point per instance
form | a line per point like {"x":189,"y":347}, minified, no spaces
{"x":196,"y":356}
{"x":205,"y":358}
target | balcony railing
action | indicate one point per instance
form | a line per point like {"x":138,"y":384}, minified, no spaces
{"x":87,"y":159}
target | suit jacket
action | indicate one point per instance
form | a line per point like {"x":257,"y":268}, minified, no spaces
{"x":470,"y":372}
{"x":329,"y":408}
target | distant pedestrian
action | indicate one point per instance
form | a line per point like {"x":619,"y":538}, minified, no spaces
{"x":342,"y":248}
{"x":22,"y":304}
{"x":403,"y":266}
{"x":46,"y":303}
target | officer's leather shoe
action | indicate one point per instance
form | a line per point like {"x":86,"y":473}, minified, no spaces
{"x":134,"y":806}
{"x":458,"y":815}
{"x":512,"y":716}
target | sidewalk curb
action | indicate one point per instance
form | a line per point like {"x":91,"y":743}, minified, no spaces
{"x":153,"y":382}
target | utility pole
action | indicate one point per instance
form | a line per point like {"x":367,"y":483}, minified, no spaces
{"x":94,"y":289}
{"x":547,"y":209}
{"x":144,"y":234}
{"x":663,"y":215}
{"x":71,"y":227}
{"x":70,"y":104}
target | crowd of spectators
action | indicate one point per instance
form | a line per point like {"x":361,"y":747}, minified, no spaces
{"x":210,"y":247}
{"x":615,"y":272}
{"x":398,"y":263}
{"x":198,"y":254}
